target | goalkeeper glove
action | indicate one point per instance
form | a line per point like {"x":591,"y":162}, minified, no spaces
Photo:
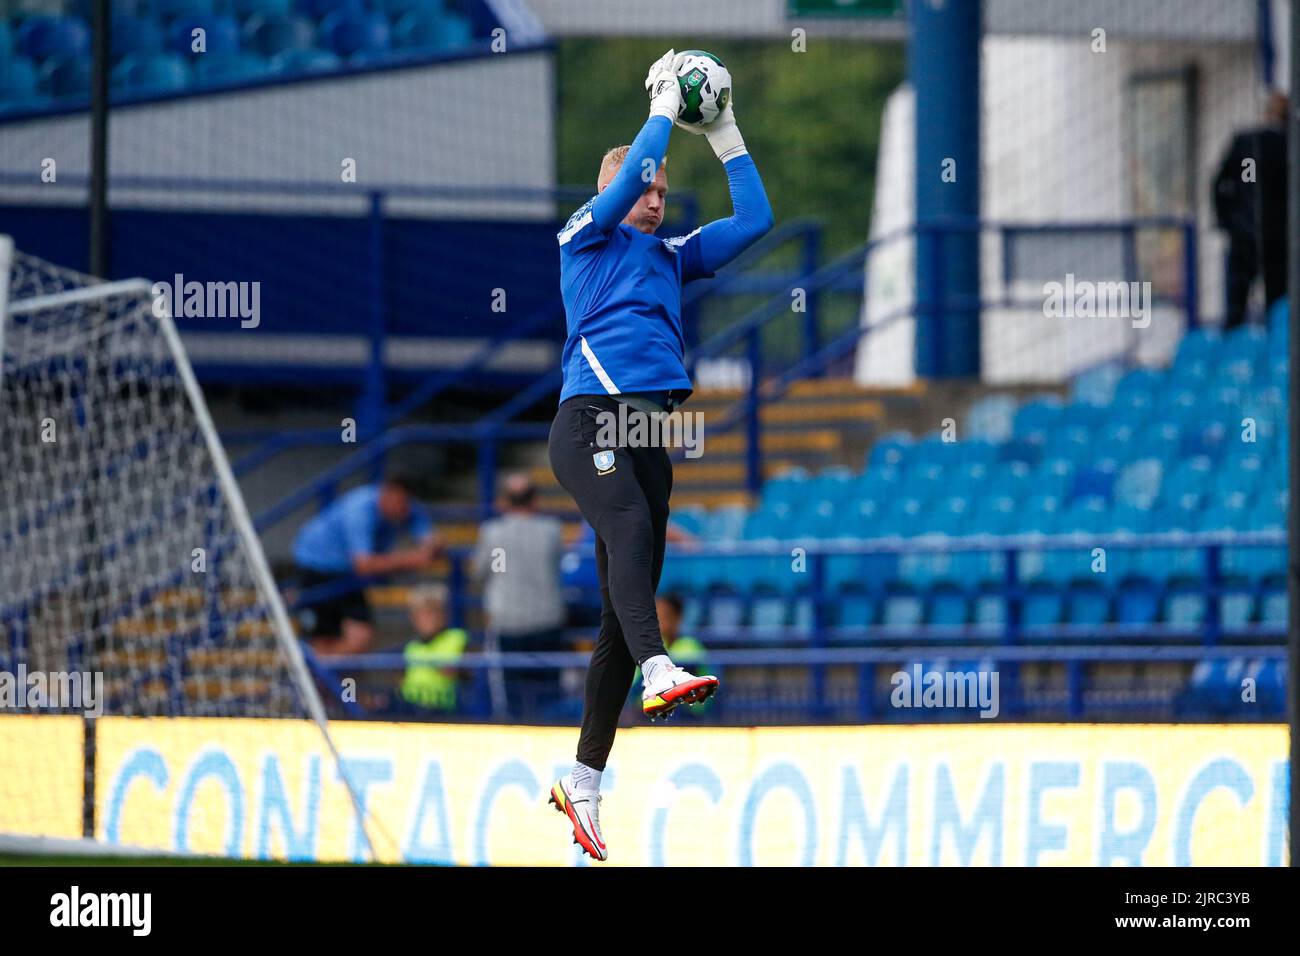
{"x":661,"y":84}
{"x":723,"y":134}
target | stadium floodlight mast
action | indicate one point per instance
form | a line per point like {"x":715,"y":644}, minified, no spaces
{"x":1293,"y":412}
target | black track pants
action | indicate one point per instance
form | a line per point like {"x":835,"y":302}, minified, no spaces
{"x":626,"y":502}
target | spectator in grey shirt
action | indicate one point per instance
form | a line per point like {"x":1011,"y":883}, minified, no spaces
{"x":517,"y":560}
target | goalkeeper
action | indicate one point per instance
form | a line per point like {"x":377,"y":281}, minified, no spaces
{"x":622,"y":297}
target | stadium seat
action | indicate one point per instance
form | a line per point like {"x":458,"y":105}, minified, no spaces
{"x":315,"y":60}
{"x":146,"y":73}
{"x":40,"y":38}
{"x":66,"y":77}
{"x":18,"y":82}
{"x":1097,"y":385}
{"x":244,"y":9}
{"x":1087,"y":606}
{"x":213,"y":70}
{"x":1037,"y":420}
{"x":347,"y":33}
{"x":271,"y":34}
{"x":422,"y":30}
{"x":948,"y":606}
{"x":889,"y":450}
{"x":319,"y":9}
{"x":1138,"y":483}
{"x":991,"y":418}
{"x":135,"y":35}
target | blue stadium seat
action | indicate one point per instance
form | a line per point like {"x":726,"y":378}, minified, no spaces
{"x":168,"y":10}
{"x":319,"y":9}
{"x":1135,"y":392}
{"x":148,"y":73}
{"x":212,"y":69}
{"x":220,"y":36}
{"x":272,"y":34}
{"x":66,"y":77}
{"x":135,"y":35}
{"x":768,"y":612}
{"x":1198,"y":353}
{"x":1236,"y":608}
{"x":42,"y":37}
{"x":889,"y":450}
{"x":243,"y":9}
{"x":1014,"y":479}
{"x":315,"y":60}
{"x":17,"y":81}
{"x":725,"y":524}
{"x":1161,"y":440}
{"x":1037,"y":420}
{"x":348,"y":34}
{"x":948,"y":607}
{"x":1097,"y":385}
{"x":1041,"y":609}
{"x":1087,"y":606}
{"x":425,"y":30}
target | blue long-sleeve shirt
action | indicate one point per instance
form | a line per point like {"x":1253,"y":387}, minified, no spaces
{"x":622,"y":288}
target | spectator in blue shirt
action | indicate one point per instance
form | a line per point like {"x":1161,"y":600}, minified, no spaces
{"x":355,"y":537}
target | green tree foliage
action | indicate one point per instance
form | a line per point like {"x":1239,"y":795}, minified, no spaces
{"x":811,"y":121}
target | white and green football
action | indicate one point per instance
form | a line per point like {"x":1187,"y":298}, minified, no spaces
{"x":706,"y":88}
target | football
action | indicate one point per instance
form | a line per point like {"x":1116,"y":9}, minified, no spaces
{"x":706,"y":88}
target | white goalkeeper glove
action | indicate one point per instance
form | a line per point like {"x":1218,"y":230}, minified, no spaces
{"x":723,"y":134}
{"x":661,"y":83}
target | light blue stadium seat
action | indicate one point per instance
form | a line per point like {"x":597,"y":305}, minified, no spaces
{"x":315,"y":60}
{"x":1138,"y":483}
{"x":150,"y":73}
{"x":1014,"y":479}
{"x":1243,"y":472}
{"x":902,"y":611}
{"x":1162,"y":440}
{"x":272,"y":34}
{"x":1272,"y":608}
{"x":1185,"y":609}
{"x":1136,"y":392}
{"x":889,"y":450}
{"x":725,"y":524}
{"x":1197,"y":356}
{"x":1097,"y":385}
{"x":1053,"y":477}
{"x":855,"y":608}
{"x":768,"y":612}
{"x":1037,"y":420}
{"x":989,"y":612}
{"x":725,"y":610}
{"x":991,"y":418}
{"x":348,"y":34}
{"x":1236,"y":609}
{"x":1244,"y":356}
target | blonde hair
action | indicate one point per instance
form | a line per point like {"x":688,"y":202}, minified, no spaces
{"x":613,"y":159}
{"x":427,"y":595}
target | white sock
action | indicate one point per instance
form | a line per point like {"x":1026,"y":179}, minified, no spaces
{"x":584,"y":778}
{"x":653,"y":666}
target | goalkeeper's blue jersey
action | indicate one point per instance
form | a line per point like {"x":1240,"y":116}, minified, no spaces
{"x":622,"y":289}
{"x":622,"y":296}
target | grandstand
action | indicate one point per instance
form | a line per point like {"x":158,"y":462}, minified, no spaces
{"x":918,"y":465}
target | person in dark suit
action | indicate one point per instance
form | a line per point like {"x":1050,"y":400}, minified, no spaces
{"x":1250,"y":204}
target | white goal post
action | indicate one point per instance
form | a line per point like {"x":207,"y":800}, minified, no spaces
{"x":132,"y":576}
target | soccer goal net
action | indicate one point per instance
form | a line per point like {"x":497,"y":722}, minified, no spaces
{"x":145,"y":653}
